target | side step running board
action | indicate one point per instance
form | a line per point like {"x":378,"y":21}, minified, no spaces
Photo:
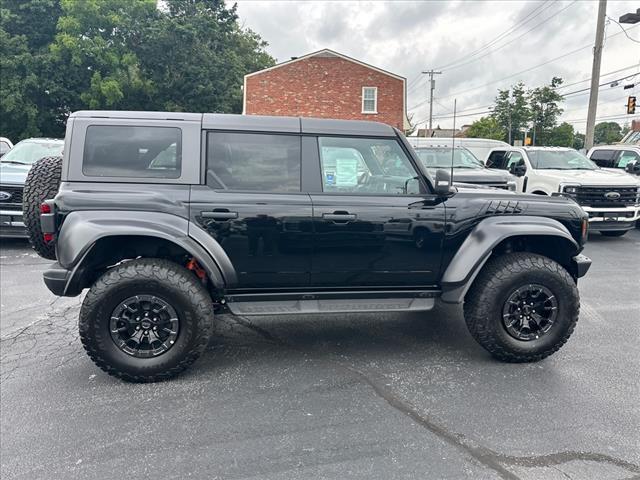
{"x":331,"y":302}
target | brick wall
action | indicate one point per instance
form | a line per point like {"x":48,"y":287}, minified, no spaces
{"x":326,"y":87}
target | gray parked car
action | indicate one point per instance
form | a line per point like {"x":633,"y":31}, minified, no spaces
{"x":466,"y":167}
{"x":14,"y":167}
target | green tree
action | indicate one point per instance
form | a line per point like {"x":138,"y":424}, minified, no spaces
{"x":511,"y":111}
{"x":561,"y":136}
{"x":578,"y":141}
{"x":26,"y":105}
{"x":196,"y":56}
{"x":545,"y":110}
{"x":65,"y":55}
{"x":486,"y":127}
{"x":607,"y":132}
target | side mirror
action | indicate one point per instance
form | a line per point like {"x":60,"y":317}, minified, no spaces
{"x":517,"y":170}
{"x":632,"y":167}
{"x":443,"y":187}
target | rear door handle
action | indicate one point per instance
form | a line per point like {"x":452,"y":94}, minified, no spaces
{"x":339,"y":217}
{"x":220,"y":215}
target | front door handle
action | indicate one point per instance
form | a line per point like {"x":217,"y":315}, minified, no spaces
{"x":220,"y":215}
{"x":339,"y":217}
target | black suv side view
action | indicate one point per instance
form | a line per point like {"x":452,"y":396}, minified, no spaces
{"x":168,"y":218}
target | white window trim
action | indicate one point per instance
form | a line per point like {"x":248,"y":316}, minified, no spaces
{"x":375,"y":100}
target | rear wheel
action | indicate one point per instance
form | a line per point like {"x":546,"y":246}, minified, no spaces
{"x":42,"y":183}
{"x":522,"y":307}
{"x":146,"y":320}
{"x":614,"y":233}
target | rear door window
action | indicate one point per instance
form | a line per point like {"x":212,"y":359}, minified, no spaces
{"x":132,"y":151}
{"x":253,"y":162}
{"x":604,"y":158}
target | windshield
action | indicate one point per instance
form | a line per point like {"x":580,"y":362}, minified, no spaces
{"x":440,"y":157}
{"x":560,"y":160}
{"x":29,"y":152}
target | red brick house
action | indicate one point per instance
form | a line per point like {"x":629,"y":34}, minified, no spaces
{"x":330,"y":85}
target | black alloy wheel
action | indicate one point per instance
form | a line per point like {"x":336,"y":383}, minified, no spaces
{"x":530,"y":312}
{"x":144,"y":326}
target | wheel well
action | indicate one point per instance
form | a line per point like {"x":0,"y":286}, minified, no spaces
{"x":556,"y":248}
{"x":108,"y":251}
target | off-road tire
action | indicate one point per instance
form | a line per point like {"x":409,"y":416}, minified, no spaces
{"x":614,"y":233}
{"x":42,"y":183}
{"x":500,"y":277}
{"x":180,"y":287}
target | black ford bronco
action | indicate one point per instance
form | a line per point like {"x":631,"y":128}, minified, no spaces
{"x":169,"y":218}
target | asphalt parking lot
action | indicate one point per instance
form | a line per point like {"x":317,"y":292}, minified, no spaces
{"x":346,"y":396}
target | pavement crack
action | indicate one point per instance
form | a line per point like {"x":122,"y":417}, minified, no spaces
{"x":481,"y":454}
{"x":485,"y":456}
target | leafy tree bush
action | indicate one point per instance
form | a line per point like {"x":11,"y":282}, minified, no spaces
{"x":66,"y":55}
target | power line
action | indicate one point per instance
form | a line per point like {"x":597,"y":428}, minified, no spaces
{"x":513,"y":39}
{"x":623,"y":30}
{"x":518,"y":73}
{"x":569,"y":93}
{"x":502,"y":35}
{"x":483,"y":112}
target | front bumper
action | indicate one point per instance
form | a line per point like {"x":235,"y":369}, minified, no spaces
{"x":581,"y":264}
{"x":612,"y":219}
{"x":12,"y":224}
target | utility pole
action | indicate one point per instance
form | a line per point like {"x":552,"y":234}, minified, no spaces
{"x":432,"y":86}
{"x":595,"y":75}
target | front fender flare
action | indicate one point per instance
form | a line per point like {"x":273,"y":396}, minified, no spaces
{"x":82,"y":229}
{"x":479,"y":244}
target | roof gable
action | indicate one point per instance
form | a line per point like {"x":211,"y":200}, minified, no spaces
{"x":327,"y":53}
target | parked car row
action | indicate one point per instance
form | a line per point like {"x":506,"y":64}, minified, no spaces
{"x":14,"y":167}
{"x":605,"y":183}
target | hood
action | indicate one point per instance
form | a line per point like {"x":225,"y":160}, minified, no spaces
{"x":478,"y":175}
{"x":600,"y":177}
{"x":13,"y":173}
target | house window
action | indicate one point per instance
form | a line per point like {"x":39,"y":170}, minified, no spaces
{"x":369,"y":99}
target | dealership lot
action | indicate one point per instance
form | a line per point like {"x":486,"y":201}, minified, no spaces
{"x":346,"y":396}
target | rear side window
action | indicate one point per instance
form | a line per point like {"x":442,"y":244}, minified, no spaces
{"x":253,"y":162}
{"x":603,"y":158}
{"x":128,"y":151}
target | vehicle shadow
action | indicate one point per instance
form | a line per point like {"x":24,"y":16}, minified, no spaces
{"x":439,"y":335}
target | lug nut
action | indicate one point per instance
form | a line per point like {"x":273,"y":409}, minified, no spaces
{"x":138,"y":327}
{"x":155,"y":328}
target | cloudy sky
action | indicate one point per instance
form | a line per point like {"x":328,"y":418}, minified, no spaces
{"x":479,"y":46}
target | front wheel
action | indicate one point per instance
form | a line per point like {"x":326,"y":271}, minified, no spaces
{"x":522,"y":307}
{"x":146,"y":320}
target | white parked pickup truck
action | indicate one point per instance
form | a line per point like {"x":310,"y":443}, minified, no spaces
{"x":610,"y":197}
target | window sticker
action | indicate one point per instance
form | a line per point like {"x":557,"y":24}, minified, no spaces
{"x":346,"y":172}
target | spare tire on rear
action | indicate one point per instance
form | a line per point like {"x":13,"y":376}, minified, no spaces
{"x":43,"y":182}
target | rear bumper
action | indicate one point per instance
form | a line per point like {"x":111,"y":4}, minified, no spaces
{"x":61,"y":282}
{"x":12,"y":224}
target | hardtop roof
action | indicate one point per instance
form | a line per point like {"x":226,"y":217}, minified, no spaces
{"x":254,"y":123}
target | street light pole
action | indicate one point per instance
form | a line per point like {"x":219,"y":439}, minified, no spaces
{"x":595,"y":75}
{"x":432,"y":86}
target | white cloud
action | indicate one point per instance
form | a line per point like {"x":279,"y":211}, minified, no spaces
{"x":408,"y":37}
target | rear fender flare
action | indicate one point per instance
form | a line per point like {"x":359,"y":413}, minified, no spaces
{"x":82,"y":229}
{"x":479,"y":245}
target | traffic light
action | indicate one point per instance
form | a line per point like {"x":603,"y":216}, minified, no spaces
{"x":631,"y":105}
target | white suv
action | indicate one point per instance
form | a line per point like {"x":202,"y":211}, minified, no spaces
{"x":610,"y":197}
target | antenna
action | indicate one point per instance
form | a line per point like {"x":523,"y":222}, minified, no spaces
{"x":453,"y":136}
